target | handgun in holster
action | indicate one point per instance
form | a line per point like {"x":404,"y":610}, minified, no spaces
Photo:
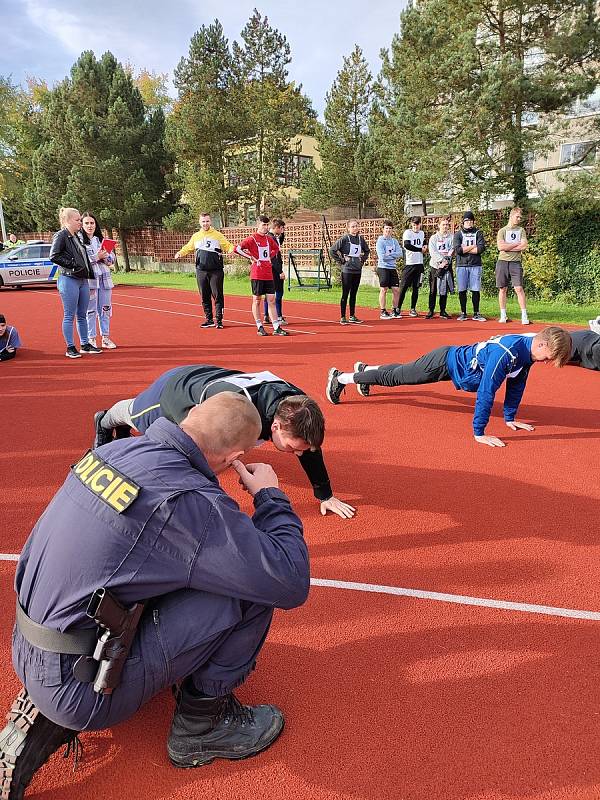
{"x":113,"y":646}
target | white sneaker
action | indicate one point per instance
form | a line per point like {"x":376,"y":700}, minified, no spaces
{"x":93,"y":341}
{"x":595,"y":325}
{"x":525,"y":321}
{"x":108,"y":344}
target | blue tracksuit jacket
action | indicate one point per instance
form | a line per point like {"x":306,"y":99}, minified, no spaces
{"x":484,"y":366}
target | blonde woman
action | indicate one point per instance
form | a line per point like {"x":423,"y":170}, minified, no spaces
{"x":69,"y":253}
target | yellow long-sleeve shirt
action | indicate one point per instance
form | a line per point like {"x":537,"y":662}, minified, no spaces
{"x":210,"y":240}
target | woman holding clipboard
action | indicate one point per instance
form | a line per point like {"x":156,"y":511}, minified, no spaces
{"x":101,"y":255}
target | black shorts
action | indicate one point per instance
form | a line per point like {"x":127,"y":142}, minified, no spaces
{"x":509,"y":273}
{"x":387,"y":278}
{"x":262,"y":287}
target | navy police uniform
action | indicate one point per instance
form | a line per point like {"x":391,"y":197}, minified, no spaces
{"x":178,"y":390}
{"x":147,"y":519}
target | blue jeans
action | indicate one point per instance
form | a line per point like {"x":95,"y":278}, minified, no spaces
{"x":75,"y":296}
{"x":100,"y":306}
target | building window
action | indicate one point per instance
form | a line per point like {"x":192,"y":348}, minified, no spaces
{"x":290,"y":168}
{"x":573,"y":152}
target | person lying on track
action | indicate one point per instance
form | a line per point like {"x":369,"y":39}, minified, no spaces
{"x":290,"y":419}
{"x":481,"y":367}
{"x":586,"y":349}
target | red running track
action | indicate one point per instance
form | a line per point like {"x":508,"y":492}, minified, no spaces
{"x":385,"y":696}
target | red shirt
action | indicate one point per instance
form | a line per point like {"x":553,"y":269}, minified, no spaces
{"x":262,"y":248}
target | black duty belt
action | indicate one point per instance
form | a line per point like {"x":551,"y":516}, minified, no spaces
{"x":77,"y":643}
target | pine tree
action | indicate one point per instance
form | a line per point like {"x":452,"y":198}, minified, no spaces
{"x":102,"y":150}
{"x":348,"y":173}
{"x":205,"y":120}
{"x":273,"y":109}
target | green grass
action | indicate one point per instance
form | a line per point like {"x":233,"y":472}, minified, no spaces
{"x":539,"y":311}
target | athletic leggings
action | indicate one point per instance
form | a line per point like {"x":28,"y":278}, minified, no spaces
{"x":429,"y":368}
{"x":475,"y":296}
{"x":350,"y":284}
{"x":409,"y":279}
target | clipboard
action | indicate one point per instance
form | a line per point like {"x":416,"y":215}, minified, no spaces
{"x":108,"y":245}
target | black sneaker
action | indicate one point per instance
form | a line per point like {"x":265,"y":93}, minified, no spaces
{"x":280,"y":332}
{"x":362,"y":388}
{"x":206,"y":728}
{"x":384,"y":314}
{"x":72,"y":352}
{"x":343,"y":321}
{"x":210,"y":323}
{"x":355,"y":320}
{"x":266,"y":319}
{"x":262,"y":332}
{"x":102,"y":435}
{"x":90,"y":349}
{"x":219,"y":325}
{"x":334,"y":388}
{"x":445,"y":315}
{"x":429,"y":315}
{"x":462,"y":317}
{"x":413,"y":313}
{"x":396,"y":313}
{"x":26,"y":743}
{"x":479,"y":317}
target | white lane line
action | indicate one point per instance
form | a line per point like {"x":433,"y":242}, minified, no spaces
{"x":484,"y":602}
{"x":197,"y":316}
{"x":421,"y":594}
{"x":229,"y":308}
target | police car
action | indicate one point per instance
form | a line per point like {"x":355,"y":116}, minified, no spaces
{"x":27,"y":264}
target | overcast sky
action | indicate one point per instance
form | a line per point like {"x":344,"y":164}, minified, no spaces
{"x":44,"y":37}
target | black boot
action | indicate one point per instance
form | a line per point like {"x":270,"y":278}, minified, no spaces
{"x":26,"y":743}
{"x":205,"y":728}
{"x":102,"y":435}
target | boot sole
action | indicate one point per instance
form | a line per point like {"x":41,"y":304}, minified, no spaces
{"x":203,"y":759}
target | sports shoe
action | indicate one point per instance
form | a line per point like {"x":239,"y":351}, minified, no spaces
{"x":72,"y":352}
{"x":90,"y":349}
{"x":362,"y":388}
{"x":334,"y":388}
{"x":384,"y":314}
{"x":429,"y":315}
{"x":595,"y":325}
{"x":261,"y":331}
{"x":355,"y":320}
{"x":503,"y":320}
{"x":479,"y":317}
{"x":101,"y":435}
{"x":26,"y":743}
{"x":205,"y":728}
{"x":462,"y":317}
{"x":525,"y":321}
{"x":280,"y":332}
{"x":108,"y":344}
{"x":282,"y":321}
{"x":413,"y":313}
{"x":93,"y":341}
{"x":266,"y":319}
{"x":219,"y":325}
{"x":445,"y":315}
{"x":343,"y":321}
{"x":396,"y":313}
{"x":208,"y":324}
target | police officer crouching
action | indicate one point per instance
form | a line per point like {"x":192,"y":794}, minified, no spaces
{"x":143,"y":573}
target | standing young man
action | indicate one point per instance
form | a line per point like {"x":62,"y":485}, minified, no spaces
{"x":209,"y":245}
{"x":388,"y":252}
{"x":469,"y":244}
{"x":260,"y":248}
{"x":350,"y":251}
{"x":441,"y":280}
{"x":511,"y":241}
{"x":277,"y":231}
{"x":413,"y":242}
{"x":481,"y":367}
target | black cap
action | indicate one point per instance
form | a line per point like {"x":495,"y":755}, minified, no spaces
{"x":2,"y":319}
{"x":469,"y":215}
